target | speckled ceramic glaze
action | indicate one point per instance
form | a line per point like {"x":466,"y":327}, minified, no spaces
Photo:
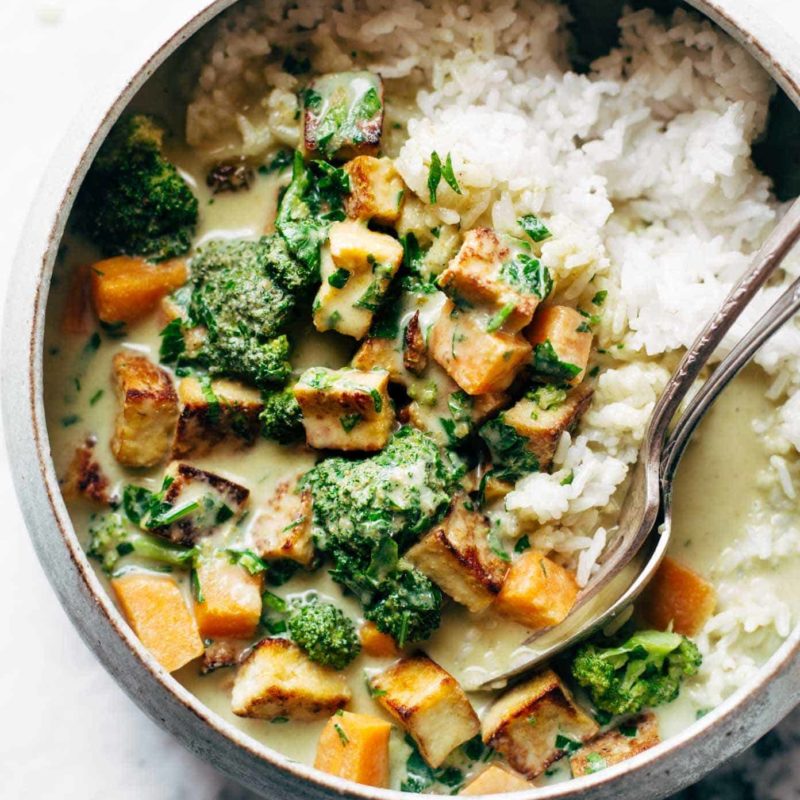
{"x":675,"y":763}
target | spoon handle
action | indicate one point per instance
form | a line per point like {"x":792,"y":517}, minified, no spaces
{"x":787,"y":305}
{"x":768,"y":258}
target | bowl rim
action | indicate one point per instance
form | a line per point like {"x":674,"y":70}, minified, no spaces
{"x":669,"y":766}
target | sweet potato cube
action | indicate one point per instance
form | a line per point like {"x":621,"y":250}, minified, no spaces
{"x":224,"y":412}
{"x":535,"y":723}
{"x":542,"y":427}
{"x":282,"y":528}
{"x":278,"y":680}
{"x":357,"y":268}
{"x":537,"y":592}
{"x":356,"y":747}
{"x":430,"y":704}
{"x":479,"y":275}
{"x":679,"y":597}
{"x":477,"y":360}
{"x":148,"y":411}
{"x":456,"y":556}
{"x":561,"y":339}
{"x":155,"y":609}
{"x":125,"y":289}
{"x":343,"y":115}
{"x":376,"y":643}
{"x":376,"y":190}
{"x":627,"y":740}
{"x":230,"y":599}
{"x":495,"y":780}
{"x":345,"y":409}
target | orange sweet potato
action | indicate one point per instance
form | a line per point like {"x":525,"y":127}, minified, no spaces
{"x":376,"y":643}
{"x":356,"y":747}
{"x":537,"y":592}
{"x":231,"y":599}
{"x":125,"y":289}
{"x":77,"y":314}
{"x":495,"y":780}
{"x":155,"y":609}
{"x":677,"y":595}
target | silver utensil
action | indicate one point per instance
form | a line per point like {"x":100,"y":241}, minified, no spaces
{"x":635,"y":554}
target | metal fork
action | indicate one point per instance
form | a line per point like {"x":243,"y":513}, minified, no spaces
{"x":646,"y":521}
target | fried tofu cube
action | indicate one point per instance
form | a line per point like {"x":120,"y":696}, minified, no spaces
{"x":278,"y":680}
{"x":415,"y":350}
{"x":477,"y":360}
{"x":456,"y":556}
{"x":537,"y":592}
{"x":343,"y":115}
{"x":155,"y":609}
{"x":222,"y":411}
{"x":229,"y":601}
{"x":495,"y":780}
{"x":84,"y":476}
{"x":677,"y":599}
{"x":282,"y":528}
{"x":535,"y":723}
{"x":483,"y":273}
{"x":562,"y":343}
{"x":375,"y":353}
{"x":376,"y":190}
{"x":199,"y":502}
{"x":543,"y":426}
{"x":148,"y":411}
{"x":356,"y":747}
{"x":345,"y":409}
{"x":632,"y":737}
{"x":221,"y":653}
{"x":357,"y":268}
{"x":429,"y":703}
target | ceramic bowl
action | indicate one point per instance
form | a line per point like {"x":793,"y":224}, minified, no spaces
{"x":675,"y":763}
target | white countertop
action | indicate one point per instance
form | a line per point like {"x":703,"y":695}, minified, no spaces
{"x":66,"y":730}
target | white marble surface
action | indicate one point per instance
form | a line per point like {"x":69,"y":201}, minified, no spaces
{"x":66,"y":730}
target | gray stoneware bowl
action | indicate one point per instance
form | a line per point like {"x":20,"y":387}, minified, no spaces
{"x":675,"y":763}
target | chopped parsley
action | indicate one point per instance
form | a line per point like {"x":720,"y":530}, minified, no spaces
{"x":527,"y":274}
{"x":534,"y":227}
{"x":499,"y":319}
{"x":546,"y":362}
{"x":339,"y":278}
{"x":349,"y":421}
{"x":594,"y":763}
{"x":438,"y":171}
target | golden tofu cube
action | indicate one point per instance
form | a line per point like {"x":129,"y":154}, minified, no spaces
{"x":199,"y":501}
{"x":495,"y":780}
{"x":456,"y":556}
{"x":148,"y":411}
{"x":537,"y":592}
{"x":357,"y":267}
{"x":632,"y":737}
{"x":478,"y":361}
{"x":278,"y":680}
{"x":429,"y":703}
{"x":535,"y":723}
{"x":542,"y":427}
{"x":477,"y":275}
{"x":376,"y":190}
{"x":282,"y":529}
{"x":84,"y":477}
{"x":345,"y":409}
{"x":562,"y":343}
{"x":223,"y":411}
{"x":382,"y":354}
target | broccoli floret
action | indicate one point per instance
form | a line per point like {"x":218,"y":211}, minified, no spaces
{"x":112,"y":538}
{"x":366,"y":512}
{"x":324,"y":632}
{"x":133,"y":200}
{"x":282,"y":419}
{"x":642,"y":672}
{"x":408,"y":608}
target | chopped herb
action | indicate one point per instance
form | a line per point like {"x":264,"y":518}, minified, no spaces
{"x":567,"y":480}
{"x":534,"y":227}
{"x":600,"y":297}
{"x":522,"y":544}
{"x":700,"y":713}
{"x":603,"y":717}
{"x":339,"y":278}
{"x":594,"y":763}
{"x":548,"y":396}
{"x":172,"y":345}
{"x":349,"y":421}
{"x":583,"y":328}
{"x":197,"y":590}
{"x":96,"y":396}
{"x":93,"y":345}
{"x":209,"y":395}
{"x":566,"y":744}
{"x":70,"y":420}
{"x":528,"y":274}
{"x":247,"y":559}
{"x":279,"y":720}
{"x":434,"y":176}
{"x":594,"y":371}
{"x":449,"y":175}
{"x":281,"y":160}
{"x":547,"y":362}
{"x":496,"y":546}
{"x":342,"y":735}
{"x":377,"y":400}
{"x":629,"y":730}
{"x":273,"y":602}
{"x":499,"y":319}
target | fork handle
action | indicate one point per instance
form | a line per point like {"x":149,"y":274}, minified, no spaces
{"x":768,"y":258}
{"x":787,"y":305}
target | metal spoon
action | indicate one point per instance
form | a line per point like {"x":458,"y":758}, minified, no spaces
{"x":634,"y":555}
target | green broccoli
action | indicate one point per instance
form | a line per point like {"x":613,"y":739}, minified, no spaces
{"x":642,"y":672}
{"x":324,"y":632}
{"x":112,"y":538}
{"x":366,"y":512}
{"x":133,"y":200}
{"x":511,"y":454}
{"x":282,"y":419}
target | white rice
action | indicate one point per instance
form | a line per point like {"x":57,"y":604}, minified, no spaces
{"x":642,"y":169}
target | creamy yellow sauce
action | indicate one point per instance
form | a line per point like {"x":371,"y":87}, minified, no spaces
{"x":714,"y":494}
